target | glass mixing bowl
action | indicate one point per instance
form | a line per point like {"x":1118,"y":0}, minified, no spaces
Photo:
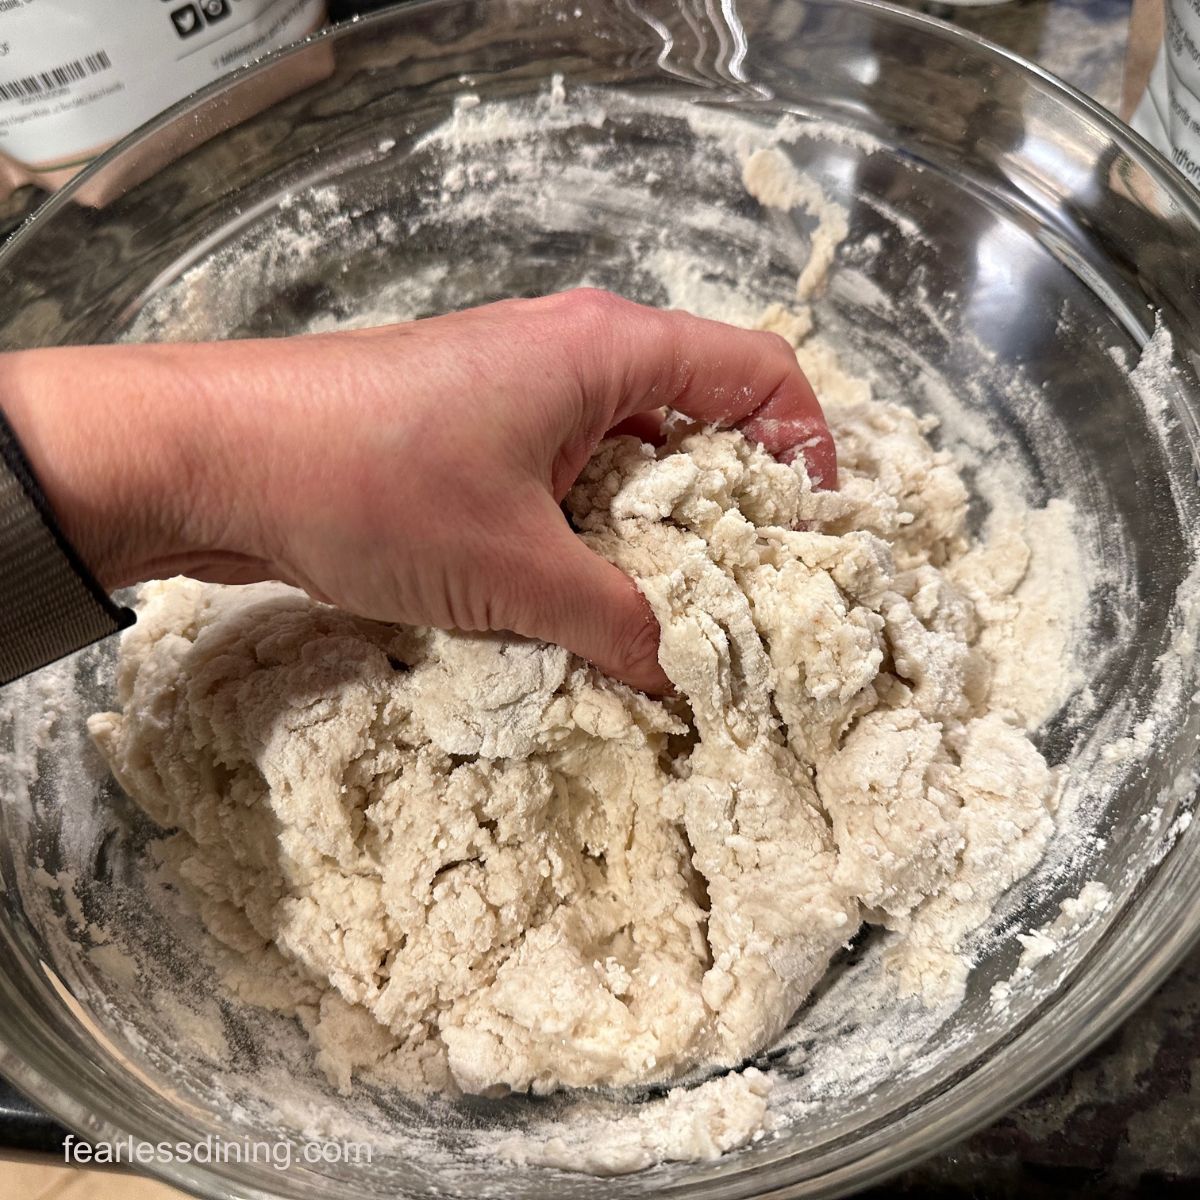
{"x":1010,"y":244}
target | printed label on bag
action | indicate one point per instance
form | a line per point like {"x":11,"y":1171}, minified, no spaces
{"x":1169,"y":113}
{"x":76,"y":75}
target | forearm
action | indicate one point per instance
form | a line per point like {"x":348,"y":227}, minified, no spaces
{"x":410,"y":473}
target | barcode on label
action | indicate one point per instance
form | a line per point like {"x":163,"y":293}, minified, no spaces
{"x":55,"y":77}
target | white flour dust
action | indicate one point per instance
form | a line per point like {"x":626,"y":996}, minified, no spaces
{"x":470,"y":863}
{"x":466,"y":864}
{"x":1075,"y":915}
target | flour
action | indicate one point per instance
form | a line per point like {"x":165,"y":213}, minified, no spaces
{"x":1153,"y":375}
{"x":691,"y":1125}
{"x":1076,"y":914}
{"x":470,"y":863}
{"x":965,"y":607}
{"x":587,"y":899}
{"x":769,"y":176}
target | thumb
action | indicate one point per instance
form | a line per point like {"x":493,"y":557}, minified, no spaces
{"x":571,"y":596}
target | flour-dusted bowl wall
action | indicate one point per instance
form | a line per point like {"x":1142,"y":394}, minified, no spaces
{"x":1010,"y":252}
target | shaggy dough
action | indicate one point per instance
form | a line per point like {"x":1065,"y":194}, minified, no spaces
{"x":472,"y":862}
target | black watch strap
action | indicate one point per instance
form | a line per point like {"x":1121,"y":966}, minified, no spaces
{"x":50,"y":604}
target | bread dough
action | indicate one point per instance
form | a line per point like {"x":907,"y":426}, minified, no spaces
{"x":472,"y":862}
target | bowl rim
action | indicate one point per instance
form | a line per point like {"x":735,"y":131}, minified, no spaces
{"x":1124,"y":135}
{"x":1139,"y":975}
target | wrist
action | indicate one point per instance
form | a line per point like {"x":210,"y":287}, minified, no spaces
{"x":105,"y":434}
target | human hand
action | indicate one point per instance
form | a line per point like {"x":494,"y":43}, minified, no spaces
{"x":408,"y":473}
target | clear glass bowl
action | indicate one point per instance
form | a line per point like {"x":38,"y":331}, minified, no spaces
{"x":1030,"y":242}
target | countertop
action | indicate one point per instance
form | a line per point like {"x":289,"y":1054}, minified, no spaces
{"x":1125,"y":1122}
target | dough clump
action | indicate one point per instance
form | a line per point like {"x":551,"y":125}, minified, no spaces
{"x":472,"y":863}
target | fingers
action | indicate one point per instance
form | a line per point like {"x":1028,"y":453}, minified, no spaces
{"x":750,"y":380}
{"x":571,"y":596}
{"x":710,"y":371}
{"x":784,"y":428}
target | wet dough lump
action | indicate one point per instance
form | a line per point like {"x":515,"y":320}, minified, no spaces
{"x":472,"y":862}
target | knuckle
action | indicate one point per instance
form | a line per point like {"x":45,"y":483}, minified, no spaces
{"x":593,"y":298}
{"x":464,"y":604}
{"x":597,"y":340}
{"x":776,"y":344}
{"x":637,"y":645}
{"x":495,"y":594}
{"x":593,"y":307}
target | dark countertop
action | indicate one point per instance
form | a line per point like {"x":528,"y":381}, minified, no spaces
{"x":1125,"y":1122}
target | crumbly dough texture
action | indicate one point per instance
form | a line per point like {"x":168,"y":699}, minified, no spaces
{"x":472,"y":862}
